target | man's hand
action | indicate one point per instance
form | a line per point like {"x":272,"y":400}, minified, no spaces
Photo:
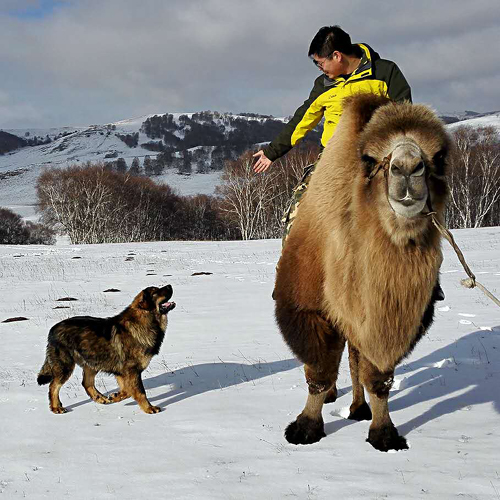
{"x":262,"y":163}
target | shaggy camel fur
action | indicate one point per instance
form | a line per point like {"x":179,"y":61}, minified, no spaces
{"x":362,"y":260}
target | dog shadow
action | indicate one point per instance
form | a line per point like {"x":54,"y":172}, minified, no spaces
{"x":192,"y":380}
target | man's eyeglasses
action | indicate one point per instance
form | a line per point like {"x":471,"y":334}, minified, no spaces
{"x":319,"y":64}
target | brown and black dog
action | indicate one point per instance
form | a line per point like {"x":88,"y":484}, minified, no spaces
{"x":122,"y":345}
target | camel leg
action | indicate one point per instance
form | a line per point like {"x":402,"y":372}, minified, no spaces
{"x":321,"y":380}
{"x":382,"y":435}
{"x":88,"y":383}
{"x":359,"y":409}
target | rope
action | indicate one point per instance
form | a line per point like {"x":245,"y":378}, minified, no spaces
{"x":470,"y":282}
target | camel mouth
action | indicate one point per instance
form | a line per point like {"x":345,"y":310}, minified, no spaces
{"x":408,"y":202}
{"x":166,"y":306}
{"x":408,"y":207}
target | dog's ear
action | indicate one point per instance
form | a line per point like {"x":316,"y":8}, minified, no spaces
{"x":146,"y":301}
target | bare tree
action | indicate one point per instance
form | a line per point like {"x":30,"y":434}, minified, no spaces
{"x":474,"y":177}
{"x":255,"y":203}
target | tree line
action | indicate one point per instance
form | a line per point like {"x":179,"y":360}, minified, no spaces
{"x":93,"y":203}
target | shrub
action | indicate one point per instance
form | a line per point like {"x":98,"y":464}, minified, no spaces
{"x":14,"y":231}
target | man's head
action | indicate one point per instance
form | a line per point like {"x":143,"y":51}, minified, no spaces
{"x":331,"y":50}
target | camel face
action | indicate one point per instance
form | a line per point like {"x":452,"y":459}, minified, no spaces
{"x":407,"y":187}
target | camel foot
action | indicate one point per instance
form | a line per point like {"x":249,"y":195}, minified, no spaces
{"x":387,"y":438}
{"x":305,"y":430}
{"x":362,"y":412}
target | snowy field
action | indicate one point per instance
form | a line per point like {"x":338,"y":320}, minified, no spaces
{"x":229,"y":386}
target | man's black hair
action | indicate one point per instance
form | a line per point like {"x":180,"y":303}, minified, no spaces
{"x":330,"y":39}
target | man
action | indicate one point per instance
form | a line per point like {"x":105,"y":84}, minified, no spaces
{"x":347,"y":69}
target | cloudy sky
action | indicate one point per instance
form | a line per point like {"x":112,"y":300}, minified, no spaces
{"x":80,"y":62}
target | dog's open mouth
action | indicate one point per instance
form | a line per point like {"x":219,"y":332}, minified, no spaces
{"x":166,"y":307}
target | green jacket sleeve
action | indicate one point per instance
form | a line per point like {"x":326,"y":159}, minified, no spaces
{"x":397,"y":86}
{"x":283,"y":141}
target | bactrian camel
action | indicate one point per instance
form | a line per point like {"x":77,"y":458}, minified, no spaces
{"x":362,"y":259}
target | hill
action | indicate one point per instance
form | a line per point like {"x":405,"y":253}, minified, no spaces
{"x":188,"y":149}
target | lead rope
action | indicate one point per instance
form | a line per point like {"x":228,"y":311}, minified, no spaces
{"x":471,"y":281}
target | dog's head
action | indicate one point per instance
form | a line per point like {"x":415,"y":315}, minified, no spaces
{"x":156,"y":299}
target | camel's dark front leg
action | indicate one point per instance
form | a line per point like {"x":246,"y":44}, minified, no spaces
{"x":321,"y":379}
{"x":308,"y":428}
{"x":382,"y":435}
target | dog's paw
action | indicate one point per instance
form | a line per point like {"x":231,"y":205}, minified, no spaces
{"x":116,"y":397}
{"x":153,"y":409}
{"x":58,"y":410}
{"x":103,"y":400}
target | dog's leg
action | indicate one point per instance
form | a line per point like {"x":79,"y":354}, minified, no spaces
{"x":61,"y":372}
{"x":122,"y":393}
{"x":135,"y":387}
{"x":88,"y":383}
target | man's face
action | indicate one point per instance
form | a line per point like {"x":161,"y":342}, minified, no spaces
{"x":331,"y":66}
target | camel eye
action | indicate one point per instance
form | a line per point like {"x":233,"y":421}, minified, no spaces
{"x":395,"y":170}
{"x":419,"y":170}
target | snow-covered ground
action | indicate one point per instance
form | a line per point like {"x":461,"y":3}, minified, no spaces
{"x":228,"y":386}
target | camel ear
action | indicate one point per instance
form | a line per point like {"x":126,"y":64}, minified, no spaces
{"x":439,"y":161}
{"x":146,"y":301}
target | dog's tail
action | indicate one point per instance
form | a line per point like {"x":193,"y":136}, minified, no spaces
{"x":45,"y":375}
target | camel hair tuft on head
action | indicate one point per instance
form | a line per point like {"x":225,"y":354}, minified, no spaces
{"x":361,"y":262}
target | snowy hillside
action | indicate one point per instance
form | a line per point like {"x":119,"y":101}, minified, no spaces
{"x":229,"y":386}
{"x":490,"y":120}
{"x":19,"y":170}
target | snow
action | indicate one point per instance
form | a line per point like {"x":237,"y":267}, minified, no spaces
{"x":229,"y":386}
{"x":491,"y":120}
{"x":92,"y":144}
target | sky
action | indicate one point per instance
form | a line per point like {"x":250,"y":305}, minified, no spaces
{"x":83,"y":62}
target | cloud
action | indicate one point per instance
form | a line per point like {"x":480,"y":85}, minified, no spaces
{"x":120,"y":58}
{"x":10,"y":111}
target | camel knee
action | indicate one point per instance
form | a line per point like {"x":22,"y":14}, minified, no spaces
{"x":375,"y":381}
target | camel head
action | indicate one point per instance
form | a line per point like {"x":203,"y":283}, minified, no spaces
{"x":411,"y":145}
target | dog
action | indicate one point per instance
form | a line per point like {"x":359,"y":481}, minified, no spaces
{"x":122,"y":345}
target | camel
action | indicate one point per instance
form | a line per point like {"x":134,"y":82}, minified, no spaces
{"x":361,"y":263}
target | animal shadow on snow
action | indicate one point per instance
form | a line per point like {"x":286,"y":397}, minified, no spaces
{"x":191,"y":380}
{"x":461,"y":375}
{"x":470,"y":367}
